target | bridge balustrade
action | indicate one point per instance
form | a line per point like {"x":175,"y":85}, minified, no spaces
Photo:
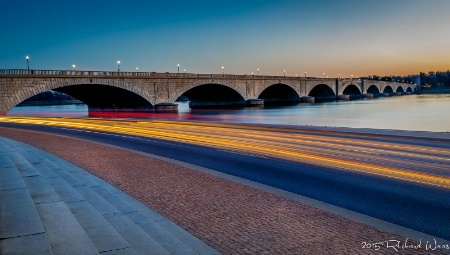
{"x":163,"y":75}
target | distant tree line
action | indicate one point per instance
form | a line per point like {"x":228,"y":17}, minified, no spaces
{"x":435,"y":78}
{"x":439,"y":78}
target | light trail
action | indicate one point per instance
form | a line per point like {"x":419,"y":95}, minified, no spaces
{"x":412,"y":163}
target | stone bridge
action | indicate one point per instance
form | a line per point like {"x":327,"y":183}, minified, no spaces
{"x":140,"y":91}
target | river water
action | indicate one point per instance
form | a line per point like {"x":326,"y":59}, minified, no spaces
{"x":409,"y":112}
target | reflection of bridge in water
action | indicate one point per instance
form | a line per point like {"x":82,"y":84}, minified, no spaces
{"x":140,"y":91}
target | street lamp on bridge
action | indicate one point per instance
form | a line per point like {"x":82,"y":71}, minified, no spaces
{"x":118,"y":65}
{"x":323,"y":75}
{"x":222,"y":69}
{"x":74,"y":66}
{"x":178,"y":65}
{"x":28,"y":63}
{"x":305,"y":74}
{"x":257,"y":71}
{"x":284,"y":72}
{"x":184,"y":70}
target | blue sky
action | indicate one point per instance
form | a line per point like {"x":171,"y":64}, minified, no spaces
{"x":359,"y":37}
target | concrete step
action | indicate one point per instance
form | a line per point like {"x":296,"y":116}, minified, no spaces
{"x":82,"y":213}
{"x":133,"y":217}
{"x":148,"y":216}
{"x":166,"y":233}
{"x":91,"y":223}
{"x":95,"y":204}
{"x":64,"y":233}
{"x":141,"y":237}
{"x":21,"y":229}
{"x":97,"y":215}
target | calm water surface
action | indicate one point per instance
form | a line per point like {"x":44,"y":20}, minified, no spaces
{"x":413,"y":112}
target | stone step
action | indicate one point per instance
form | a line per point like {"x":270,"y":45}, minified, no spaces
{"x":21,"y":229}
{"x":147,"y":216}
{"x":95,"y":211}
{"x":158,"y":233}
{"x":65,"y":234}
{"x":115,"y":210}
{"x":157,"y":226}
{"x":96,"y":228}
{"x":109,"y":216}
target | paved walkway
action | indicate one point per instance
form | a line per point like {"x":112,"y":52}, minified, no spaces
{"x":49,"y":206}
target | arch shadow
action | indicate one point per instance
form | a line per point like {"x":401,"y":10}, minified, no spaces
{"x":108,"y":101}
{"x":353,"y":91}
{"x":279,"y":94}
{"x":212,"y":95}
{"x":388,"y":89}
{"x":373,"y":90}
{"x":322,"y":92}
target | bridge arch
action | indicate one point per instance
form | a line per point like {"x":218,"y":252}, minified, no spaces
{"x":119,"y":95}
{"x":97,"y":96}
{"x":322,"y":92}
{"x":279,"y":93}
{"x":352,"y":90}
{"x":409,"y":89}
{"x":373,"y":89}
{"x":388,"y":89}
{"x":400,"y":89}
{"x":212,"y":95}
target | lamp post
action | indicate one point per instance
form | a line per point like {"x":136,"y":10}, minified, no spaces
{"x":339,"y":76}
{"x":178,"y":65}
{"x":284,"y":72}
{"x":222,"y":69}
{"x":257,"y":71}
{"x":137,"y":68}
{"x":28,"y":63}
{"x":305,"y":84}
{"x":74,"y":66}
{"x":351,"y":80}
{"x":118,"y":65}
{"x":323,"y":75}
{"x":184,"y":70}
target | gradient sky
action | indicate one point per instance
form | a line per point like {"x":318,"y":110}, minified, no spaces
{"x":359,"y":37}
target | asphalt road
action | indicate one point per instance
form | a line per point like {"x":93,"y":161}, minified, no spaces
{"x":420,"y":207}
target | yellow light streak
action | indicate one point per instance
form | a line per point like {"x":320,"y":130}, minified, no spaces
{"x":411,"y":163}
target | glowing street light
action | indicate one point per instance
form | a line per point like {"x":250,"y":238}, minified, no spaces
{"x":28,"y":63}
{"x":284,"y":72}
{"x":222,"y":69}
{"x":339,"y":76}
{"x":184,"y":70}
{"x":178,"y":65}
{"x":257,"y":71}
{"x":74,"y":66}
{"x":305,"y":74}
{"x":118,"y":64}
{"x":137,"y":68}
